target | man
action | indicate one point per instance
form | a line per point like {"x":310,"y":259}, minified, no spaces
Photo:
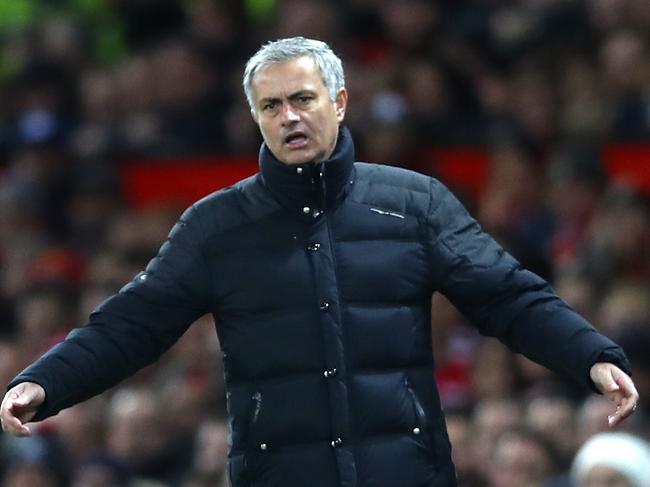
{"x":320,"y":271}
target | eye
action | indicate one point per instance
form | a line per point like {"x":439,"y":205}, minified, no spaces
{"x":269,"y":105}
{"x":304,"y":99}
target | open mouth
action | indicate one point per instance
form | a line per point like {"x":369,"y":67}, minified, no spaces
{"x":296,"y":140}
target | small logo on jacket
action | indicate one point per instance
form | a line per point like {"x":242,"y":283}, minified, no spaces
{"x":388,"y":213}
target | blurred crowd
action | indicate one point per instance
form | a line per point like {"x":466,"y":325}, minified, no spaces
{"x":541,"y":85}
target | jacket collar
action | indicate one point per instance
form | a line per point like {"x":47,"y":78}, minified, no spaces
{"x":309,"y":189}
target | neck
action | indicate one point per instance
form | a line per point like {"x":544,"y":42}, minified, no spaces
{"x":312,"y":184}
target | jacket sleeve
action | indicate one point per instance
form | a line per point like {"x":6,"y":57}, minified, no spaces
{"x":130,"y":329}
{"x":506,"y":301}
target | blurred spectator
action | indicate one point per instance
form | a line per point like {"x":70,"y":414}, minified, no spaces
{"x":211,"y":448}
{"x":460,"y":437}
{"x":579,"y":292}
{"x":620,"y":235}
{"x":410,"y":25}
{"x":624,"y":304}
{"x":138,"y":126}
{"x":138,"y":435}
{"x":32,"y":475}
{"x":99,"y":98}
{"x":592,"y":417}
{"x":624,"y":57}
{"x":522,"y":458}
{"x":614,"y":459}
{"x":576,"y":181}
{"x":44,"y":315}
{"x":100,"y":472}
{"x":11,"y":358}
{"x":512,"y":207}
{"x":533,"y":104}
{"x":37,"y":461}
{"x":553,"y":417}
{"x":497,"y":380}
{"x":309,"y":18}
{"x":491,"y":419}
{"x":585,"y":111}
{"x":81,"y":431}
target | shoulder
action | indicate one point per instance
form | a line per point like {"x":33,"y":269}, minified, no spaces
{"x":225,"y":196}
{"x":393,"y":187}
{"x":229,"y":207}
{"x":394,"y":177}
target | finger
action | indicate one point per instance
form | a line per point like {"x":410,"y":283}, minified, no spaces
{"x":16,"y":407}
{"x":20,"y":401}
{"x":602,"y":375}
{"x":616,"y":398}
{"x":13,"y":425}
{"x":23,"y":396}
{"x":15,"y":404}
{"x":626,"y":385}
{"x":624,"y":395}
{"x":630,"y":396}
{"x":624,"y":410}
{"x":609,"y":383}
{"x":23,"y":399}
{"x":618,"y":416}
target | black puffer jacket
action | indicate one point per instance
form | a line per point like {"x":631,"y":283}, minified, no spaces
{"x":322,"y":284}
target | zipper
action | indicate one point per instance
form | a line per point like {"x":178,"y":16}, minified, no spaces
{"x":257,"y":397}
{"x":251,"y":461}
{"x":419,"y":410}
{"x":321,"y":175}
{"x":421,"y":419}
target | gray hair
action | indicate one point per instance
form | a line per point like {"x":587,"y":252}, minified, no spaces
{"x":282,"y":50}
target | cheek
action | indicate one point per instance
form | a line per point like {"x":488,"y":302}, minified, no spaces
{"x":268,"y":133}
{"x":327,"y":124}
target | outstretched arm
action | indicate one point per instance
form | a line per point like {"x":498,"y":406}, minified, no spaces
{"x":127,"y":332}
{"x":518,"y":307}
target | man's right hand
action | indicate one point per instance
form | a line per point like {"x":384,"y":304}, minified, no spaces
{"x":19,"y":406}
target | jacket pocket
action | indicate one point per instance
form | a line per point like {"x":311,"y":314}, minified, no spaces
{"x":254,"y":446}
{"x":421,"y":430}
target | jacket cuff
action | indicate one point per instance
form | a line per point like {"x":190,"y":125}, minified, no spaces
{"x":616,"y":356}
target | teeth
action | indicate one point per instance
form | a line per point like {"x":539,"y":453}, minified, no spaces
{"x":291,"y":138}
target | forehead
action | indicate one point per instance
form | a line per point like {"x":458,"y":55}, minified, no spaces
{"x":605,"y":474}
{"x":287,"y":77}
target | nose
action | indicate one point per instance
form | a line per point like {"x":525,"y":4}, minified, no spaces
{"x":289,"y":114}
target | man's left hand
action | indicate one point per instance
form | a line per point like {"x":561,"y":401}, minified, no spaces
{"x":618,"y":387}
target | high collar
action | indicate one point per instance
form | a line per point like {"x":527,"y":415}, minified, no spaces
{"x":309,"y":189}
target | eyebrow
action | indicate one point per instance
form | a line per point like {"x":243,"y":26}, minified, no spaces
{"x":300,"y":93}
{"x":291,"y":97}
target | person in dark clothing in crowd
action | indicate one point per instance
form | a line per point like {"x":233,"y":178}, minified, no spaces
{"x":320,"y":271}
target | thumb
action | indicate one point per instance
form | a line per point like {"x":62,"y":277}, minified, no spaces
{"x":602,"y":375}
{"x":22,"y":400}
{"x":25,"y":396}
{"x":610,"y":384}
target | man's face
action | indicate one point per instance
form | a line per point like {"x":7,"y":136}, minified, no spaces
{"x":293,"y":109}
{"x":602,"y":476}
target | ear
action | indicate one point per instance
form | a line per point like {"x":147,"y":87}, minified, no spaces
{"x":341,"y":104}
{"x":254,"y":115}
